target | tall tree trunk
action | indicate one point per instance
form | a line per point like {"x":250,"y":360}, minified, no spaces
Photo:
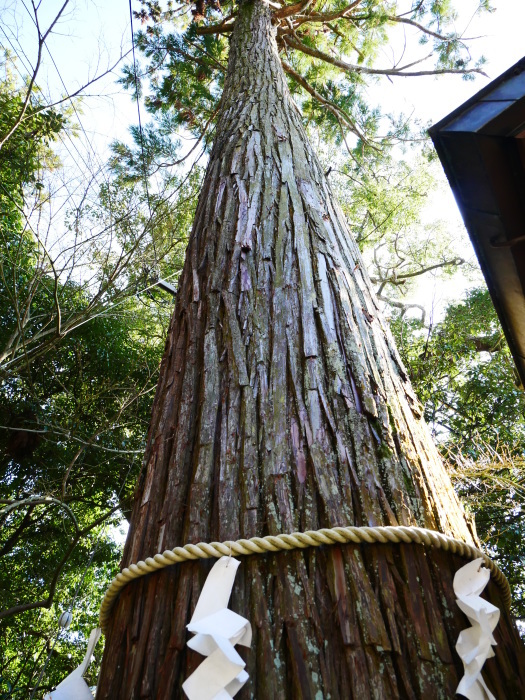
{"x":283,"y":405}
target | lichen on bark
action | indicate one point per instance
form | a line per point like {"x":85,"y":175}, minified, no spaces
{"x":283,"y":405}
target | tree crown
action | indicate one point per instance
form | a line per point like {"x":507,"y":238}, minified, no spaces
{"x":329,"y":50}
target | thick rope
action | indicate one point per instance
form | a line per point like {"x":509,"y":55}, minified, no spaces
{"x":298,"y":540}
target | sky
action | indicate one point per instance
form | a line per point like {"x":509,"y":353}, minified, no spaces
{"x":500,"y":41}
{"x":93,"y":34}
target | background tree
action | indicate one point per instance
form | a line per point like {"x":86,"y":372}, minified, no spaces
{"x":282,"y":404}
{"x":82,"y":331}
{"x":463,"y":372}
{"x":383,"y":201}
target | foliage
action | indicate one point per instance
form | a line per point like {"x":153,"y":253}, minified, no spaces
{"x":81,"y":336}
{"x":330,"y":51}
{"x":493,"y":489}
{"x":465,"y":376}
{"x":25,"y":151}
{"x":383,"y":197}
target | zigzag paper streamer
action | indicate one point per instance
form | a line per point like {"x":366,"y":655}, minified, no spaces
{"x":217,"y":630}
{"x":475,"y":644}
{"x":74,"y":687}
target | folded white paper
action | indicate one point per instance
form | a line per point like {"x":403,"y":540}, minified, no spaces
{"x":475,"y":644}
{"x":217,"y":630}
{"x":74,"y":687}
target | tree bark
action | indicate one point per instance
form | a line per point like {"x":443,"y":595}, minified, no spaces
{"x":283,"y":405}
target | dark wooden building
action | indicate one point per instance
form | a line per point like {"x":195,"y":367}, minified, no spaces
{"x":482,"y":148}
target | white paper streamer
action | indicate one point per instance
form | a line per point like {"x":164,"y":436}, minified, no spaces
{"x":217,"y":630}
{"x":74,"y":687}
{"x":475,"y":644}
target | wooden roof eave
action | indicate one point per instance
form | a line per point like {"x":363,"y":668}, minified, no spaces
{"x":481,"y":146}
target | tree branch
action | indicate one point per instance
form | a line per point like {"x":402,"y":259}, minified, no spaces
{"x":12,"y":539}
{"x":221,"y":28}
{"x":353,"y":68}
{"x":422,"y":28}
{"x":328,"y":16}
{"x":425,"y":30}
{"x":333,"y":108}
{"x":404,"y":307}
{"x":397,"y":279}
{"x":289,"y":10}
{"x":41,"y":42}
{"x":47,"y":602}
{"x":41,"y":500}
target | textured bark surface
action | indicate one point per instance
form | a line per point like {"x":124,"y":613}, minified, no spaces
{"x":283,"y":405}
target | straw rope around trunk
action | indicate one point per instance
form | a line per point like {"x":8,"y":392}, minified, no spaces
{"x":298,"y":540}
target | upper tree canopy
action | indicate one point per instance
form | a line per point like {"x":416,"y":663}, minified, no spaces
{"x":329,"y":50}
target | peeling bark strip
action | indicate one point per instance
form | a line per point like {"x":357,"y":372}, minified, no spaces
{"x":283,"y":405}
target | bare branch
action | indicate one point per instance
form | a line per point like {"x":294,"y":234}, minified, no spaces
{"x":398,"y":279}
{"x":23,"y":116}
{"x":422,"y":28}
{"x":40,"y":500}
{"x":65,"y":433}
{"x":41,"y":42}
{"x":404,"y":307}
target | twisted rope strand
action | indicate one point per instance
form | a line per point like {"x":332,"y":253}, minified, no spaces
{"x":298,"y":540}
